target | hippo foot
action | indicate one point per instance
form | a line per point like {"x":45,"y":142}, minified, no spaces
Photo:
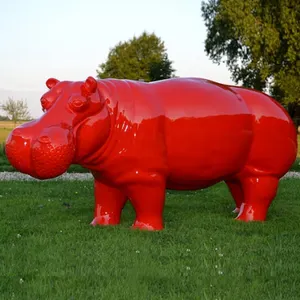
{"x":104,"y":221}
{"x":251,"y":213}
{"x":148,"y":226}
{"x":236,"y":210}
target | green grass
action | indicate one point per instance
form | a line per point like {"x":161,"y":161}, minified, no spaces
{"x":4,"y":132}
{"x":296,"y":165}
{"x":49,"y":250}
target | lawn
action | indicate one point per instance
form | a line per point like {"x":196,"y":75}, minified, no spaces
{"x":4,"y":132}
{"x":49,"y":250}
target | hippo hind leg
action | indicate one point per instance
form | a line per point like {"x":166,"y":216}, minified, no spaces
{"x":237,"y":193}
{"x":253,"y":195}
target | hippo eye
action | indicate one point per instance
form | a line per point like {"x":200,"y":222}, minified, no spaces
{"x":45,"y":104}
{"x":78,"y":103}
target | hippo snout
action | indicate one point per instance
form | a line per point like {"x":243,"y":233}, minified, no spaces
{"x":43,"y":154}
{"x":17,"y":150}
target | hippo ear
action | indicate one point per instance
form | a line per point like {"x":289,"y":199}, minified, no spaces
{"x":51,"y":82}
{"x":90,"y":86}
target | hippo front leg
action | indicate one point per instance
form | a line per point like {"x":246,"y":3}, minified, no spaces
{"x":147,"y":195}
{"x":109,"y":203}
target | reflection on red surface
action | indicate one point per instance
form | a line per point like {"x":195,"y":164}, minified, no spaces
{"x":139,"y":139}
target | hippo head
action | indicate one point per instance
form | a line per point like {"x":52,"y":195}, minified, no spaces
{"x":75,"y":124}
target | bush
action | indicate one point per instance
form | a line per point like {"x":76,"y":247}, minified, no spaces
{"x":2,"y":149}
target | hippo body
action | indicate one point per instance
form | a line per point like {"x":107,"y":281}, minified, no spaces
{"x":139,"y":139}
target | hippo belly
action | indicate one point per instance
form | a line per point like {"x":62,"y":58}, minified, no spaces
{"x":200,"y":158}
{"x":208,"y":134}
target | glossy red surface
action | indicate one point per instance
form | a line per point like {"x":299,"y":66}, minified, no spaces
{"x":139,"y":139}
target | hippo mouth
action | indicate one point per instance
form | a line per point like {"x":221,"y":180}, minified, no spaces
{"x":48,"y":156}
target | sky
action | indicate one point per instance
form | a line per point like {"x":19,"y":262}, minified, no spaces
{"x":69,"y":39}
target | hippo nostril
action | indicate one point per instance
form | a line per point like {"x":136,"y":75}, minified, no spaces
{"x":44,"y":140}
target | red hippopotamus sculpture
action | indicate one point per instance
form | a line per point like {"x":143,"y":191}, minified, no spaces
{"x":139,"y":139}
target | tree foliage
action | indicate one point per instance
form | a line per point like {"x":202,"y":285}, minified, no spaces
{"x":16,"y":110}
{"x":4,"y":118}
{"x":260,"y":42}
{"x":140,"y":58}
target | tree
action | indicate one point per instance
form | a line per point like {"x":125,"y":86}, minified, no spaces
{"x":161,"y":69}
{"x":139,"y":58}
{"x":16,"y":110}
{"x":260,"y":41}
